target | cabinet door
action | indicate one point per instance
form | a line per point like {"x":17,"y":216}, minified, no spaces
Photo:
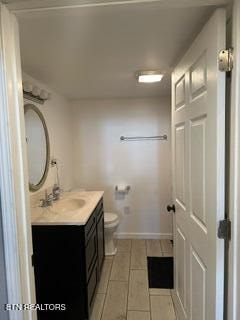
{"x":91,"y":253}
{"x":101,"y":244}
{"x":91,"y":288}
{"x":59,"y":271}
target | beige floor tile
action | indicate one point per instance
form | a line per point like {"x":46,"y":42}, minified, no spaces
{"x":138,"y":296}
{"x":120,"y":267}
{"x":166,"y":246}
{"x":136,"y":243}
{"x":162,"y":308}
{"x":106,"y":270}
{"x":139,"y":258}
{"x":159,"y":292}
{"x":138,"y":315}
{"x":124,"y":245}
{"x":98,"y":307}
{"x":115,"y":307}
{"x":153,"y":248}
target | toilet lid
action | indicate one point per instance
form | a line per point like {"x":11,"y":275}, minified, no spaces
{"x":110,"y":217}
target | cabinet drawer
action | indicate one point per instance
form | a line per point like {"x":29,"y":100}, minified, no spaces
{"x":91,"y":288}
{"x":99,"y":209}
{"x":101,"y":244}
{"x":89,"y":228}
{"x":91,"y":252}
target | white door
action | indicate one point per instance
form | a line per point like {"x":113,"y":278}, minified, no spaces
{"x":198,"y":117}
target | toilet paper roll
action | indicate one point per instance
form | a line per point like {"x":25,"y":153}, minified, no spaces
{"x":122,"y":188}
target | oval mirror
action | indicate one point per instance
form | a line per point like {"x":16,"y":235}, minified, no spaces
{"x":38,"y":149}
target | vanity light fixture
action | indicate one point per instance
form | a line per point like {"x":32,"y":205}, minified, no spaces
{"x":149,"y":76}
{"x":34,"y":93}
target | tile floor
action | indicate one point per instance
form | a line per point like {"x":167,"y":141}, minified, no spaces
{"x":123,"y":292}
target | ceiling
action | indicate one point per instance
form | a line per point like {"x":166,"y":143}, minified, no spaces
{"x":94,"y":52}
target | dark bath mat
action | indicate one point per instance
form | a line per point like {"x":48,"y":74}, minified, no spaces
{"x":160,"y":272}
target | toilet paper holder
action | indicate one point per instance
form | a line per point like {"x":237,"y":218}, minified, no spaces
{"x":126,"y":189}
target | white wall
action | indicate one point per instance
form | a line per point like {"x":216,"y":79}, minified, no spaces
{"x":85,"y":138}
{"x":58,"y":117}
{"x":101,"y":160}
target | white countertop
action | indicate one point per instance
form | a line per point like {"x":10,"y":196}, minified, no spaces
{"x":59,"y":215}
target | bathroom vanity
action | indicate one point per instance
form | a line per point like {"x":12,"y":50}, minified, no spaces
{"x":68,"y":246}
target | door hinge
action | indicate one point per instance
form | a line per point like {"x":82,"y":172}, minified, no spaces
{"x":224,"y":229}
{"x":225,"y":60}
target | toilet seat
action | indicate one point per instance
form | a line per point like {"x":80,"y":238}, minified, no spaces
{"x":110,"y":220}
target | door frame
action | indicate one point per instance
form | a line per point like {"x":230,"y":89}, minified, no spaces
{"x":234,"y":184}
{"x":13,"y":169}
{"x":16,"y":221}
{"x":3,"y":291}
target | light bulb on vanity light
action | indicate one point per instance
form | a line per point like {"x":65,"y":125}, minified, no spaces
{"x":36,"y":91}
{"x":27,"y":87}
{"x":44,"y":95}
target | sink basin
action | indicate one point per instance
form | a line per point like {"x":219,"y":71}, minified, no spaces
{"x":67,"y":205}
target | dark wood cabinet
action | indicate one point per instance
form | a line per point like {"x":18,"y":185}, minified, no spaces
{"x":101,"y":245}
{"x":67,"y":264}
{"x":91,"y":252}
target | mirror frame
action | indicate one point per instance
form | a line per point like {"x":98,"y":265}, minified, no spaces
{"x":36,"y":187}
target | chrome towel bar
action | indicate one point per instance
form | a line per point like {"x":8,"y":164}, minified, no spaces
{"x":138,"y":138}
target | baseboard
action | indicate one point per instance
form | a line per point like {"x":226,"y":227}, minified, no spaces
{"x":125,"y":235}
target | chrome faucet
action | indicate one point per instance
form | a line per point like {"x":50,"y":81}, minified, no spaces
{"x":56,"y":192}
{"x":47,"y":201}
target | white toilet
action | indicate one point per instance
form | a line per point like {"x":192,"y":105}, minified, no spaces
{"x":111,"y":222}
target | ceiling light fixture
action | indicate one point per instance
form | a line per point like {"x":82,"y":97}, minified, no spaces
{"x":149,"y":76}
